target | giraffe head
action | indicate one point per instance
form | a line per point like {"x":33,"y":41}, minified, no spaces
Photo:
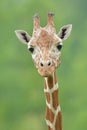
{"x":45,"y":44}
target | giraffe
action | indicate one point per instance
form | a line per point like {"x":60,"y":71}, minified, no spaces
{"x":45,"y":47}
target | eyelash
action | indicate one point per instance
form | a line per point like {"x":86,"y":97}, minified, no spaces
{"x":31,"y":49}
{"x":59,"y":47}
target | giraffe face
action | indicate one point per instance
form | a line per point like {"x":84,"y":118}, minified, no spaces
{"x":45,"y":49}
{"x":45,"y":45}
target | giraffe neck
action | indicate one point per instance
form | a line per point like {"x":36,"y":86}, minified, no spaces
{"x":53,"y":112}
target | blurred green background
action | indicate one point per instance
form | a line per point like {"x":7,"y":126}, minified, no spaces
{"x":22,"y":100}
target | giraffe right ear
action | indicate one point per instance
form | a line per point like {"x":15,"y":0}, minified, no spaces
{"x":65,"y":31}
{"x":22,"y":36}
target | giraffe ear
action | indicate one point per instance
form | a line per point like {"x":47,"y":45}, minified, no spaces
{"x":65,"y":32}
{"x":22,"y":36}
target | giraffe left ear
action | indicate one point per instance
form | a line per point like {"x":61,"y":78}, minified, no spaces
{"x":65,"y":32}
{"x":22,"y":36}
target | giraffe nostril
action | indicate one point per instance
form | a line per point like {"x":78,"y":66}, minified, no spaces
{"x":49,"y":63}
{"x":46,"y":64}
{"x":41,"y":64}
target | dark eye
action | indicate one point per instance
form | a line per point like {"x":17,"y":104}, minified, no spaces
{"x":59,"y":47}
{"x":31,"y":49}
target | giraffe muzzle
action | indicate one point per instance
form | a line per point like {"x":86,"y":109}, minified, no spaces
{"x":46,"y":69}
{"x":47,"y":64}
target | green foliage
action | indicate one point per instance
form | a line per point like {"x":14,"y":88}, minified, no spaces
{"x":22,"y":100}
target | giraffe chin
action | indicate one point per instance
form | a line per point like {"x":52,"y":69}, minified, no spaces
{"x":45,"y":73}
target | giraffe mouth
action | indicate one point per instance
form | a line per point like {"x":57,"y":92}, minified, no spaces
{"x":46,"y":72}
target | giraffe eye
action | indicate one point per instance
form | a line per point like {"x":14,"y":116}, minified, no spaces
{"x":31,"y":49}
{"x":59,"y":47}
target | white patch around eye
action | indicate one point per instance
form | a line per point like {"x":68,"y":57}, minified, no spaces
{"x":29,"y":45}
{"x":33,"y":56}
{"x":54,"y":51}
{"x":60,"y":43}
{"x":36,"y":53}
